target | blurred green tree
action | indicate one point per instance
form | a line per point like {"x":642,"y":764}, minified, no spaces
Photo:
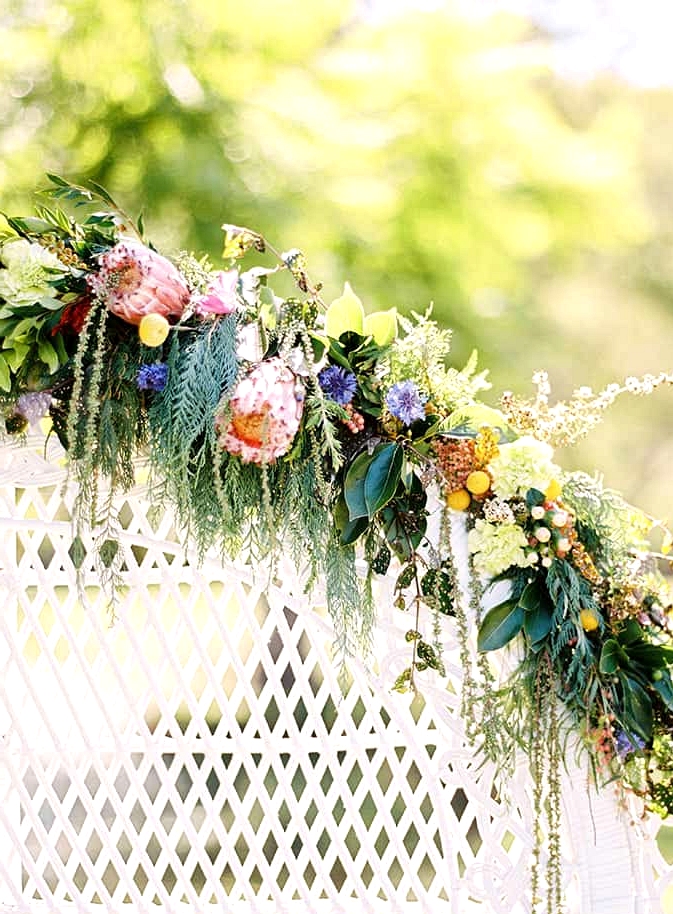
{"x":424,"y":156}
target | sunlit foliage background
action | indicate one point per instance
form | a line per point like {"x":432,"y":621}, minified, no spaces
{"x":424,"y":156}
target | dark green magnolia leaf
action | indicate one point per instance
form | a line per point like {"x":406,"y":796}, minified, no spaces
{"x":630,"y":632}
{"x":354,"y":486}
{"x":637,"y":714}
{"x":651,"y":656}
{"x":535,"y":596}
{"x":537,"y":625}
{"x":383,"y":476}
{"x":501,"y":624}
{"x":612,"y":657}
{"x":349,"y":530}
{"x":402,"y":538}
{"x":664,"y":687}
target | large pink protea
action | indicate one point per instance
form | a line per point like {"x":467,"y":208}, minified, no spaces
{"x":134,"y":281}
{"x":262,"y":417}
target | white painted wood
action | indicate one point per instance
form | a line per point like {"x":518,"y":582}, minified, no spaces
{"x":198,"y":754}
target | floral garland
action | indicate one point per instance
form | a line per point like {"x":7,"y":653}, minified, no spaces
{"x":272,"y":420}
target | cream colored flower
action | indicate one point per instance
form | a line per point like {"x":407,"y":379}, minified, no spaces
{"x":497,"y":547}
{"x":28,"y":270}
{"x":522,"y":465}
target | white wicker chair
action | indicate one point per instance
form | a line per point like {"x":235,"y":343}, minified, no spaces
{"x":199,"y":754}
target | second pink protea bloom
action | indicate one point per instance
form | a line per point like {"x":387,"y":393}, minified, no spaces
{"x":135,"y":281}
{"x":220,"y":296}
{"x":262,"y":417}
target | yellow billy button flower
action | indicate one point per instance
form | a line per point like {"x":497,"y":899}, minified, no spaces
{"x":478,"y":482}
{"x":589,"y":620}
{"x":458,"y":500}
{"x":153,"y":330}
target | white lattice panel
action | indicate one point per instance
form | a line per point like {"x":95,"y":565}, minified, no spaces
{"x":200,"y":752}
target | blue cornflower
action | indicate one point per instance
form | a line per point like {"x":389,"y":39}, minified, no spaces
{"x":338,"y":384}
{"x":406,"y":402}
{"x":152,"y":377}
{"x":625,"y":745}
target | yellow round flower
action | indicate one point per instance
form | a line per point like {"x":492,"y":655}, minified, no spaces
{"x":478,"y":482}
{"x":458,"y":500}
{"x":589,"y":620}
{"x":153,"y":329}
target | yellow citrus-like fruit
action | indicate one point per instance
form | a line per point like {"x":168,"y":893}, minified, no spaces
{"x":458,"y":500}
{"x":153,"y":329}
{"x":478,"y":482}
{"x":553,"y":490}
{"x":589,"y":620}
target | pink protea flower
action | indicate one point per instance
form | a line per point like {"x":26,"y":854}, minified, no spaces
{"x":262,"y":417}
{"x":135,"y":281}
{"x":220,"y":295}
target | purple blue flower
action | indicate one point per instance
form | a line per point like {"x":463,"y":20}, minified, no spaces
{"x":625,"y":744}
{"x":406,"y":402}
{"x":152,"y":377}
{"x":338,"y":384}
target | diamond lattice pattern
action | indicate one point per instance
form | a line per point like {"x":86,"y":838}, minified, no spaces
{"x":199,"y":749}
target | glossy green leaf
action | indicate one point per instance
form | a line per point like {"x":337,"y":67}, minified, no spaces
{"x":383,"y":476}
{"x":500,"y":625}
{"x":535,"y":596}
{"x":630,"y":632}
{"x":637,"y":715}
{"x":612,"y":657}
{"x":354,"y":486}
{"x":349,"y":530}
{"x":537,"y":624}
{"x":664,"y":687}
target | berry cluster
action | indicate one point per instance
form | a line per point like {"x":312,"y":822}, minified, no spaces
{"x":356,"y":421}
